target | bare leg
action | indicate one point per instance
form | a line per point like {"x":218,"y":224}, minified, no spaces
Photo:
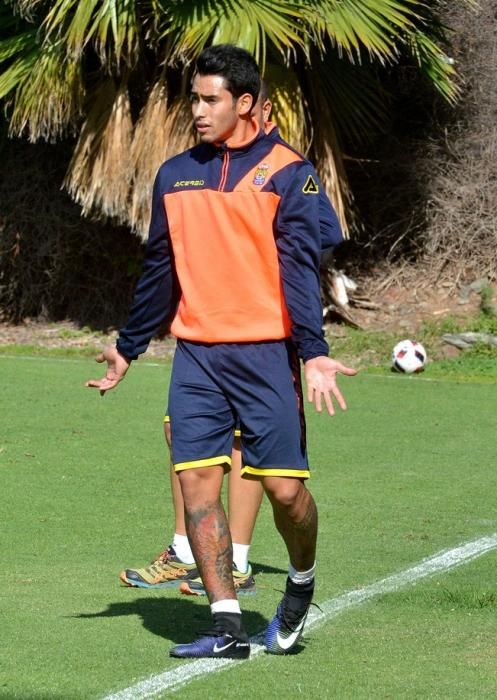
{"x":208,"y":531}
{"x":295,"y":516}
{"x":178,"y":504}
{"x":244,"y":499}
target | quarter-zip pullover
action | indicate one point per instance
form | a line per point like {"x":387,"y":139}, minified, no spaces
{"x":233,"y":250}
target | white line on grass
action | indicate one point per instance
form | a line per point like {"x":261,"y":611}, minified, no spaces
{"x":171,"y":681}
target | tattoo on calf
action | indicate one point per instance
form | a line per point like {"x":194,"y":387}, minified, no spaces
{"x":210,"y":540}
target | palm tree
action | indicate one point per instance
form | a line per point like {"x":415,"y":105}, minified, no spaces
{"x":116,"y":73}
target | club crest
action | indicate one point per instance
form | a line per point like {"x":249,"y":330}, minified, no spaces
{"x":260,"y":174}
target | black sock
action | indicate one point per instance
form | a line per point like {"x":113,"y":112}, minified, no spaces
{"x":230,"y":623}
{"x":299,"y":590}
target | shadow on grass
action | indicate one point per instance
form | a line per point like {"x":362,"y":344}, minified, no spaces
{"x":267,"y":569}
{"x":176,"y":619}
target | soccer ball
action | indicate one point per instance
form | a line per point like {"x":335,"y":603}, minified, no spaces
{"x":409,"y":356}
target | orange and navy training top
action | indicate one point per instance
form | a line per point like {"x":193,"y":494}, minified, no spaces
{"x":233,"y":250}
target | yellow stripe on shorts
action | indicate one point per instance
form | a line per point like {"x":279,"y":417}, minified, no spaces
{"x":260,"y":471}
{"x":210,"y":462}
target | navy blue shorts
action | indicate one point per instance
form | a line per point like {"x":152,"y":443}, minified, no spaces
{"x":236,"y":433}
{"x":215,"y":386}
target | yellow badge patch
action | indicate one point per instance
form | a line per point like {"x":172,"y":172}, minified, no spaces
{"x":311,"y":186}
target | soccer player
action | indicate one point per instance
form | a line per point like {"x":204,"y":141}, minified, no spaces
{"x":233,"y":257}
{"x":175,"y":566}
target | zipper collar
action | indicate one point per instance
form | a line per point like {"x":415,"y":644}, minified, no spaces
{"x":234,"y":148}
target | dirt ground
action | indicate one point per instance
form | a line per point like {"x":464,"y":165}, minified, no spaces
{"x":401,"y":309}
{"x":395,"y":309}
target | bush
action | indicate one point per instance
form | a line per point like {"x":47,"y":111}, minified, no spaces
{"x":54,"y":264}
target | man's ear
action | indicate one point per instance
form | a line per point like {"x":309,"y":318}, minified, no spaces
{"x":244,"y":104}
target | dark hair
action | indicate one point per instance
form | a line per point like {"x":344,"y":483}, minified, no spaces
{"x":235,"y":65}
{"x":263,"y":92}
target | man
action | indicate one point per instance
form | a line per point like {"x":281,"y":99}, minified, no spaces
{"x":175,"y":566}
{"x":233,"y":254}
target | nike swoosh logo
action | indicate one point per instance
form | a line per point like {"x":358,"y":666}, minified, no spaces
{"x":287,"y":642}
{"x":218,"y":650}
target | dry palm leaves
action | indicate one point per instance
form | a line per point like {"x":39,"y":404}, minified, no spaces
{"x":99,"y":174}
{"x":326,"y":154}
{"x":161,"y":132}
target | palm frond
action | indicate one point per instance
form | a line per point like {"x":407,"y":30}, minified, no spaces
{"x":319,"y":98}
{"x":99,"y":173}
{"x":371,"y":25}
{"x":251,"y":24}
{"x":111,"y":25}
{"x":48,"y":88}
{"x":19,"y":49}
{"x":26,"y":7}
{"x":434,"y":64}
{"x":20,"y":52}
{"x":18,"y":44}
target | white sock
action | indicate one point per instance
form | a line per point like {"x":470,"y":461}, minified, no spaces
{"x":228,"y":606}
{"x":301,"y":577}
{"x":240,"y":557}
{"x":182,"y":548}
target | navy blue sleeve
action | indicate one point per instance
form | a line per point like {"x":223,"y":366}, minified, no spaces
{"x":331,"y":231}
{"x":298,"y":241}
{"x":154,"y":299}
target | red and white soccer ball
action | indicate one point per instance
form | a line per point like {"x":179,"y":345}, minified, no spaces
{"x":409,"y":356}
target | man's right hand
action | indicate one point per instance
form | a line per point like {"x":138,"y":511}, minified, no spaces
{"x":117,"y":366}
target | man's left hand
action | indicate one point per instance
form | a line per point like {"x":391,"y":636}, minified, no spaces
{"x":320,"y":378}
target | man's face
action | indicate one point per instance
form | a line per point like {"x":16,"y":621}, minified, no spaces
{"x":215,"y":112}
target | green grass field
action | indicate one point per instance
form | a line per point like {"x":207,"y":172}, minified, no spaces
{"x":408,"y":471}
